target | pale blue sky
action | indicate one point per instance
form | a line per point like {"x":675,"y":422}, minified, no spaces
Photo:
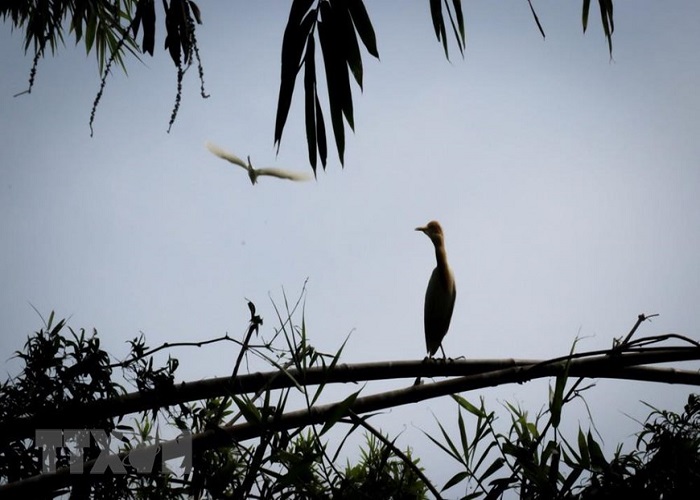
{"x":568,"y":186}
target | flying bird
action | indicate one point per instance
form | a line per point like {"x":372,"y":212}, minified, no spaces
{"x":254,"y":173}
{"x":441,"y":293}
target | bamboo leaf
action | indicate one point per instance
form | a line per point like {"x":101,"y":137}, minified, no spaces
{"x":537,"y":19}
{"x":584,"y":15}
{"x":606,"y":14}
{"x":556,"y":400}
{"x":439,"y":24}
{"x":336,"y":77}
{"x":455,"y":29}
{"x":321,"y":133}
{"x":457,"y":4}
{"x":583,"y":448}
{"x":248,"y":409}
{"x":339,"y":411}
{"x":349,"y":42}
{"x":436,"y":15}
{"x":363,"y":25}
{"x":493,"y":468}
{"x":456,"y":479}
{"x":597,"y":457}
{"x":309,"y":99}
{"x":443,"y":447}
{"x":463,"y":436}
{"x":469,"y":407}
{"x":295,"y":35}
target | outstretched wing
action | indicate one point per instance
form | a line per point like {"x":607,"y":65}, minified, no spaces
{"x":226,"y":155}
{"x":283,"y":174}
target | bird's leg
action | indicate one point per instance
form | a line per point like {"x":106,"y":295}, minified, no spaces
{"x":444,"y":357}
{"x":427,"y":359}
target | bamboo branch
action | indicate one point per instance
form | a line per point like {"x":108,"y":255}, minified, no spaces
{"x":521,"y":370}
{"x":618,"y":367}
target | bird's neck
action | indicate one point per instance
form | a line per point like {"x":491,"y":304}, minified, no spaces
{"x":441,"y":258}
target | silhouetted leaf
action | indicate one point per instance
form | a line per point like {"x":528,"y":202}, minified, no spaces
{"x":537,"y":19}
{"x":583,"y":448}
{"x":349,"y":38}
{"x":456,"y":479}
{"x":469,"y":407}
{"x":363,"y":25}
{"x":146,"y":16}
{"x":339,"y":411}
{"x":195,"y":11}
{"x":457,"y":4}
{"x":606,"y":17}
{"x":90,"y":30}
{"x":310,"y":99}
{"x":493,"y":468}
{"x":439,"y":24}
{"x":250,"y":412}
{"x":299,"y":26}
{"x":339,"y":94}
{"x":584,"y":16}
{"x":455,"y":30}
{"x":321,"y":133}
{"x":597,"y":457}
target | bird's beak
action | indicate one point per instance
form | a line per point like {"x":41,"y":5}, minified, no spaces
{"x":422,"y":229}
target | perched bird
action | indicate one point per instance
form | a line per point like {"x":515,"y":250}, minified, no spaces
{"x":441,"y":293}
{"x":254,"y":173}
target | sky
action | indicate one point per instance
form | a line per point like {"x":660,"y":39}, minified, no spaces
{"x":567,"y":184}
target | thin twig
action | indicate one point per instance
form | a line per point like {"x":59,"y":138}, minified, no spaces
{"x":640,"y":319}
{"x":168,"y":345}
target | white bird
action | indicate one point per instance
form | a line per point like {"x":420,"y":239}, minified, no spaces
{"x":254,"y":173}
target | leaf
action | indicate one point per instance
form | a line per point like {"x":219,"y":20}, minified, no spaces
{"x":493,"y":468}
{"x":463,"y":436}
{"x":195,"y":11}
{"x":556,"y":400}
{"x":339,"y":411}
{"x":439,"y":24}
{"x":455,"y":30}
{"x":90,"y":29}
{"x":597,"y":457}
{"x":309,"y":99}
{"x":583,"y":448}
{"x":606,"y":17}
{"x":443,"y":447}
{"x":457,"y":4}
{"x":537,"y":19}
{"x":295,"y":35}
{"x":148,"y":21}
{"x":584,"y":15}
{"x":339,"y":95}
{"x":363,"y":25}
{"x":248,"y":409}
{"x":469,"y":407}
{"x":456,"y":479}
{"x":349,"y":39}
{"x":321,"y":133}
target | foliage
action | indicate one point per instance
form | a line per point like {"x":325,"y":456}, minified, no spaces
{"x":248,"y":442}
{"x":534,"y":460}
{"x":337,"y":26}
{"x":64,"y":372}
{"x":666,"y":463}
